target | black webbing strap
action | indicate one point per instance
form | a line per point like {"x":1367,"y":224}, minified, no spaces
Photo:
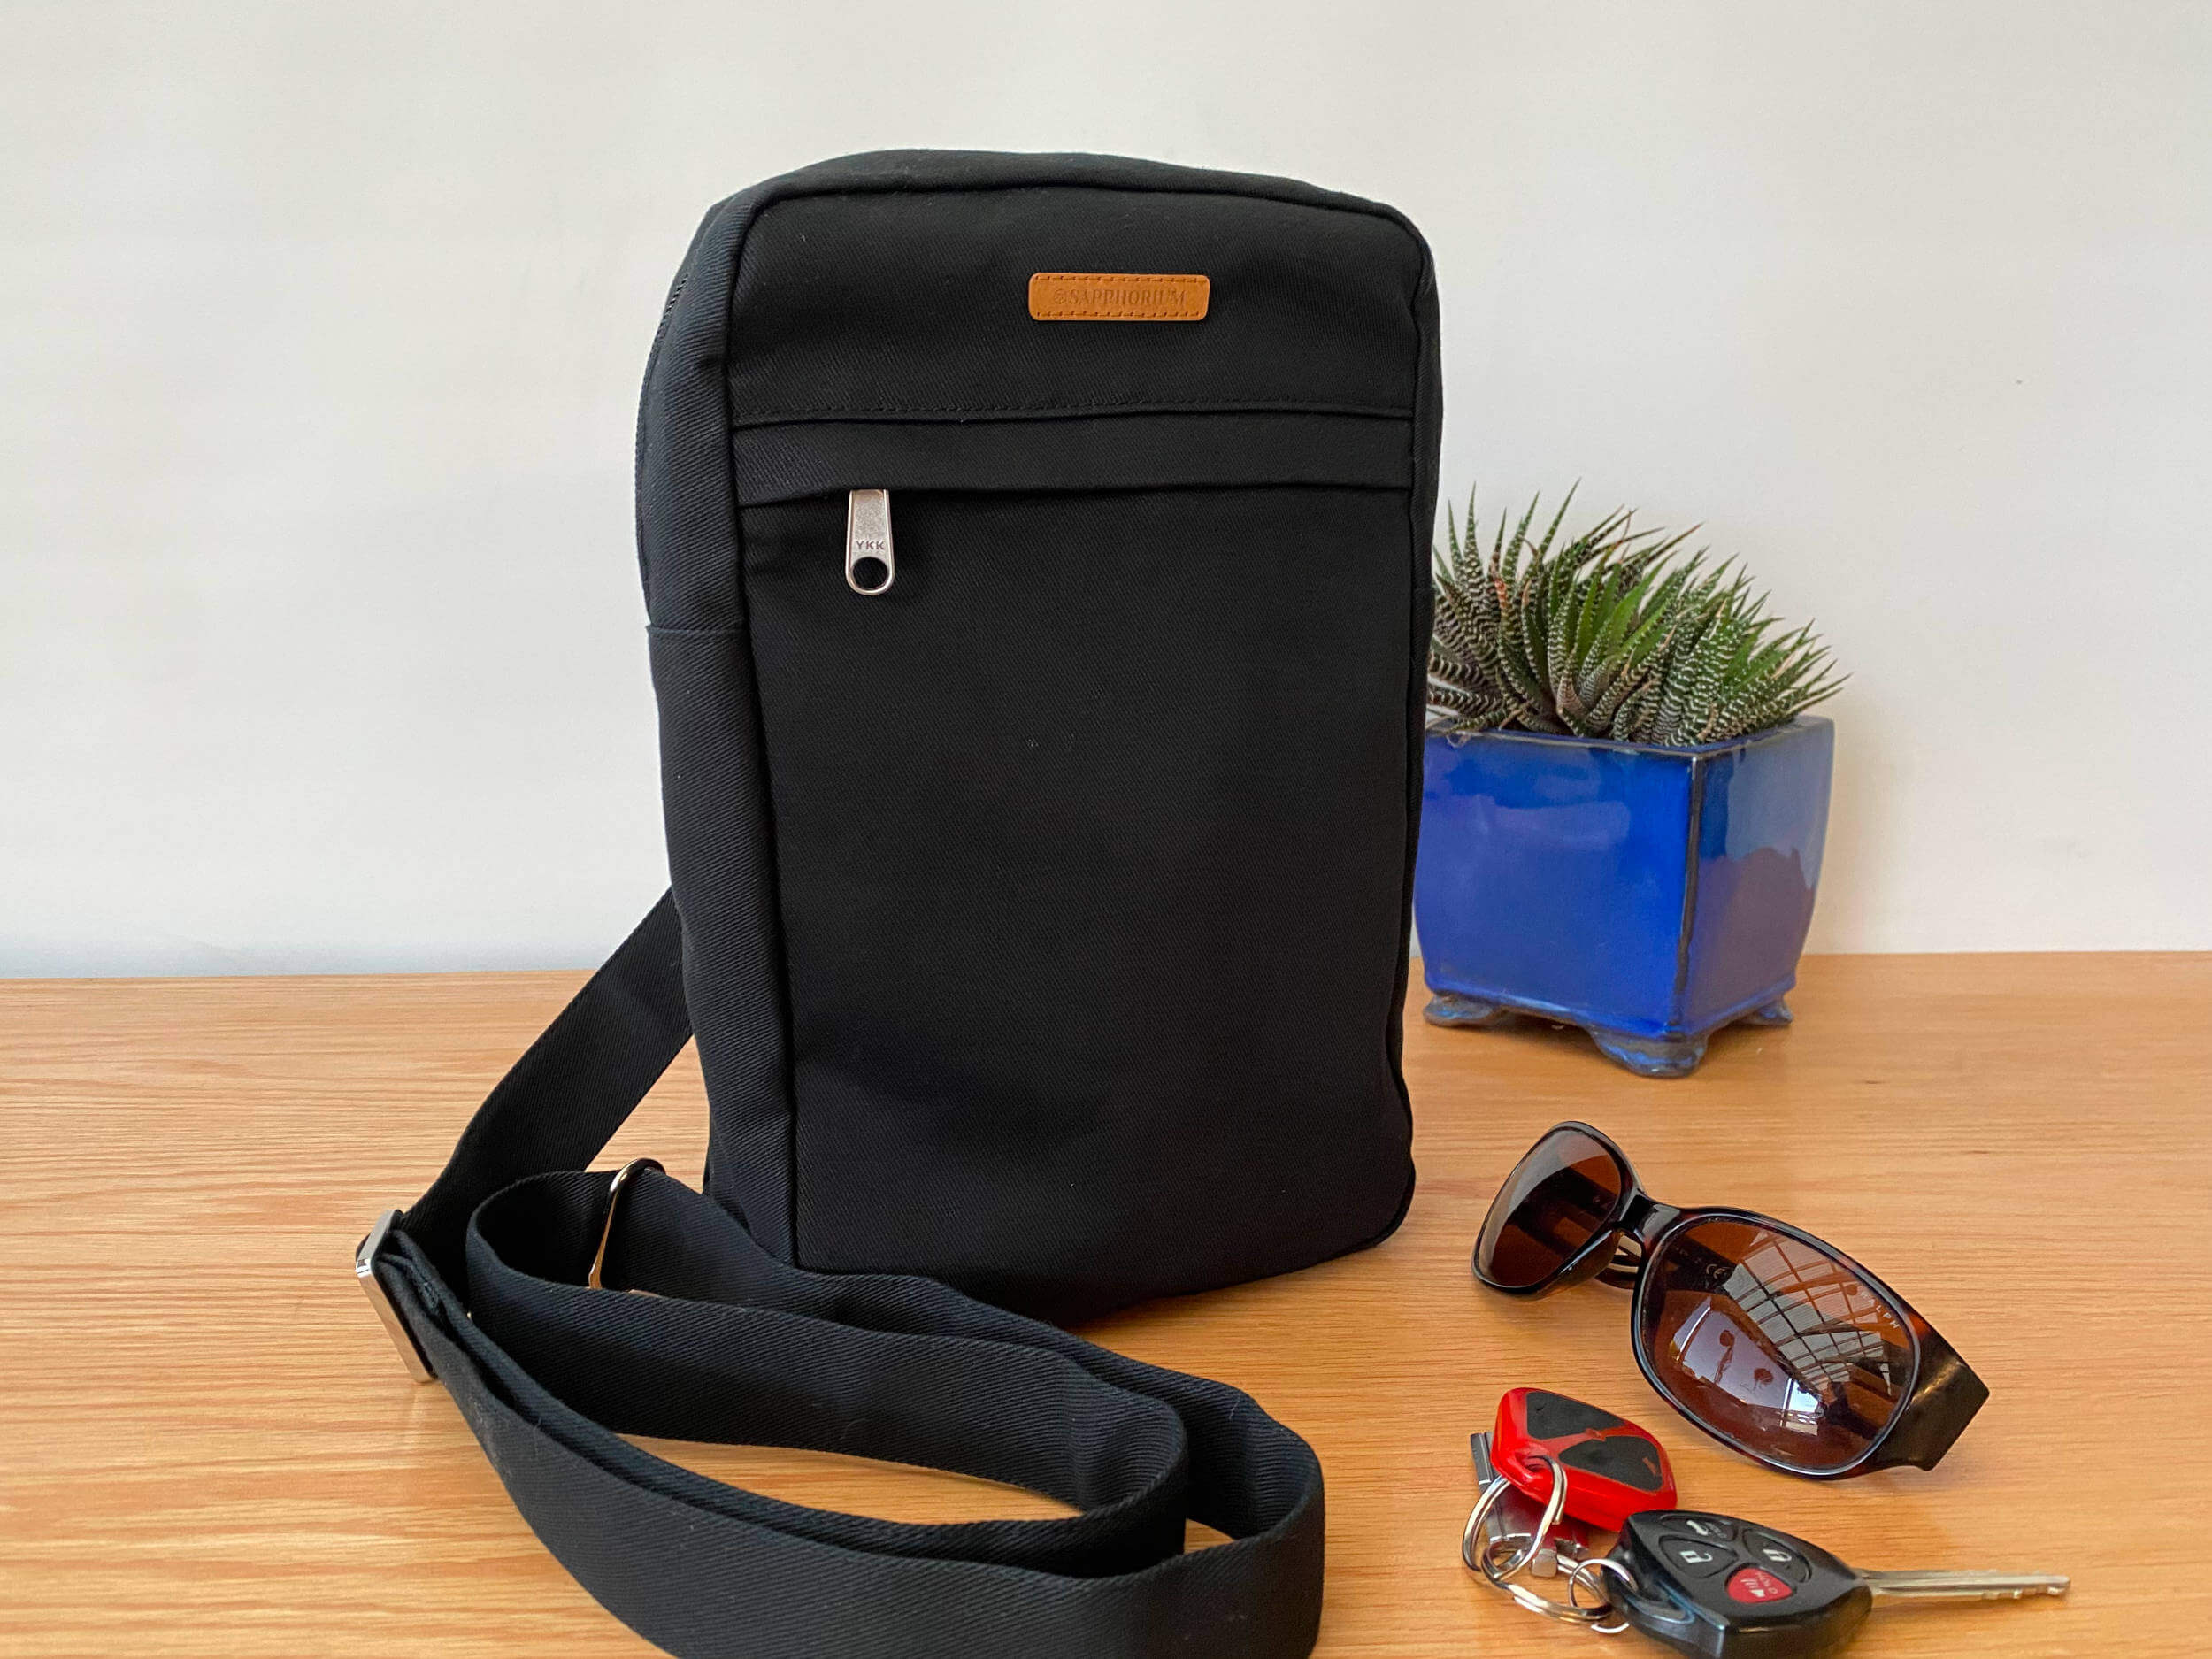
{"x":735,"y":1346}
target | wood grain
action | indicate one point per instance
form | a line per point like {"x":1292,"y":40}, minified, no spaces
{"x":207,"y":1447}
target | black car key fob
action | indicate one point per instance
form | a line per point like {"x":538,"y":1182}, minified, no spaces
{"x":1725,"y":1589}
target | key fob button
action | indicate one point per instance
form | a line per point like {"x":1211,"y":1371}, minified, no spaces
{"x":1756,"y":1585}
{"x":1554,"y":1417}
{"x":1697,"y":1559}
{"x":1633,"y":1463}
{"x":1776,"y":1557}
{"x":1711,"y":1529}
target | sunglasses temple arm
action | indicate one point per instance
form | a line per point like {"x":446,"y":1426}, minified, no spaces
{"x":1620,"y":1272}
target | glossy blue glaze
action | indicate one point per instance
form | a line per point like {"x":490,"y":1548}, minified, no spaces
{"x":1650,"y":895}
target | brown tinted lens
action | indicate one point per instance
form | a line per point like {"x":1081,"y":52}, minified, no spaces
{"x":1774,"y":1342}
{"x":1554,"y":1203}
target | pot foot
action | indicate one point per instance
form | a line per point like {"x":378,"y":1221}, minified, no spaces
{"x":1450,"y":1008}
{"x":1775,"y":1013}
{"x":1651,"y":1057}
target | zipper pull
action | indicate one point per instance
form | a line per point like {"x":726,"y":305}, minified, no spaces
{"x":869,"y":563}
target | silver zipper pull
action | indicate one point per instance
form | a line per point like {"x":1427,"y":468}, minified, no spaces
{"x":869,"y":563}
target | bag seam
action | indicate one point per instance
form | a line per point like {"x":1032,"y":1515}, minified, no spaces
{"x":1417,"y":540}
{"x":775,"y":417}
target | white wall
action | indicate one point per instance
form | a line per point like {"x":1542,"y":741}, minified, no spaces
{"x":320,"y":329}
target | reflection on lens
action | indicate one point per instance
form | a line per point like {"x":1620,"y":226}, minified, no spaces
{"x":1554,"y":1203}
{"x":1774,"y":1342}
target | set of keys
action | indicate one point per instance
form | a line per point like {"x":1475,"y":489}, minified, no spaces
{"x":1556,"y":1471}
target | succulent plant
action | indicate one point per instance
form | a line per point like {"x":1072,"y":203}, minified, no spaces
{"x":1611,"y":633}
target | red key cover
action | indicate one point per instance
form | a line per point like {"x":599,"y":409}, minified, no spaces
{"x":1614,"y":1468}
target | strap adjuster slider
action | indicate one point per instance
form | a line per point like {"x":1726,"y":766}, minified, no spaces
{"x":410,"y":1353}
{"x":623,"y":1176}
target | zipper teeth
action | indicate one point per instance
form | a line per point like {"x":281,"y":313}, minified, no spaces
{"x":683,"y":280}
{"x":652,"y":362}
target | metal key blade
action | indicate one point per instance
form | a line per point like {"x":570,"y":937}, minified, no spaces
{"x":1513,"y":1514}
{"x":1940,"y":1584}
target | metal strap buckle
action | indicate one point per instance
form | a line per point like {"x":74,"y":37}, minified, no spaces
{"x":410,"y":1353}
{"x":623,"y":1176}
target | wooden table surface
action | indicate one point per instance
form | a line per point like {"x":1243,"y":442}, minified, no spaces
{"x":207,"y":1446}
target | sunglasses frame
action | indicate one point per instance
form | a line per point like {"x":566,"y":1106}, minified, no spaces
{"x":1938,"y":1403}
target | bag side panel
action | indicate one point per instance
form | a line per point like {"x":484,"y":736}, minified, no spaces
{"x":1427,"y":439}
{"x":714,"y":794}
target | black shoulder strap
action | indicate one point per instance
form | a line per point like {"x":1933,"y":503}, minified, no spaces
{"x":488,"y":1274}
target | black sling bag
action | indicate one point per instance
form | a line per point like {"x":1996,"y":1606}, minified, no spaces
{"x":1035,"y":549}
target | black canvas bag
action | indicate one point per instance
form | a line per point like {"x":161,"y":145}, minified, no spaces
{"x":1041,"y":865}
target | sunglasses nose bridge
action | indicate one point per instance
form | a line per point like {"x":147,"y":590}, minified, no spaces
{"x":1596,"y":1262}
{"x":1627,"y":1244}
{"x":1645,"y":1219}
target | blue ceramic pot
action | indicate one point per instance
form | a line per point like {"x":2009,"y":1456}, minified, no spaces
{"x":1649,"y":895}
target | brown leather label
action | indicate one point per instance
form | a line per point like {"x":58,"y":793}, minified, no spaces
{"x":1117,"y":296}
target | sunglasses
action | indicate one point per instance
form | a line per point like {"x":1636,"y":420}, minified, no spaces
{"x":1769,"y":1340}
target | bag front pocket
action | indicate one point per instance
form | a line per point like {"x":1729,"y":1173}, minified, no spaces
{"x":1090,"y":833}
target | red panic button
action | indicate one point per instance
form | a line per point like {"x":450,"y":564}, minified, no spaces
{"x":1757,"y":1584}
